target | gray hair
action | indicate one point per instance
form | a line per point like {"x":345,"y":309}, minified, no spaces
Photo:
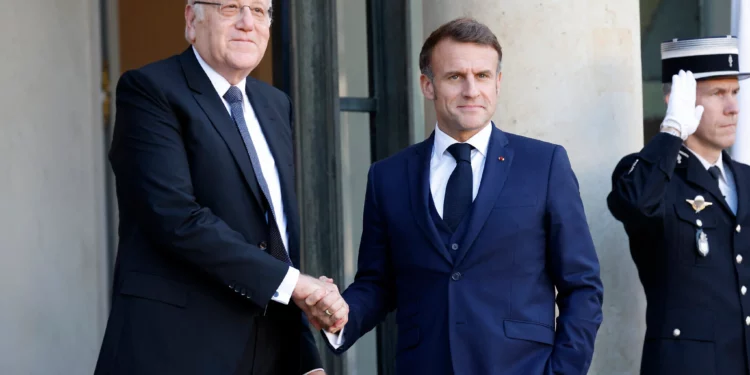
{"x":199,"y":17}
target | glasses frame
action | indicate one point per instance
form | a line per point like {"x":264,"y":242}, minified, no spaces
{"x":269,"y":11}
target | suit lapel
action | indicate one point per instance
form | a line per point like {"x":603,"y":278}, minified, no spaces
{"x":698,"y":176}
{"x":419,"y":188}
{"x":211,"y":103}
{"x":493,"y":179}
{"x":282,"y":156}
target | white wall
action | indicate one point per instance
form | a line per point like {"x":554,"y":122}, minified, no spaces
{"x":53,"y":284}
{"x":572,"y":76}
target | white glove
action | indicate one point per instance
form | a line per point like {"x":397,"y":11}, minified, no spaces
{"x":682,"y":113}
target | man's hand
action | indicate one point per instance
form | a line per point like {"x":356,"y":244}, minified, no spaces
{"x":682,"y":113}
{"x":329,"y":308}
{"x":321,"y":302}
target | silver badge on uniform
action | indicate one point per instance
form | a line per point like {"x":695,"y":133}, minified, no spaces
{"x":701,"y":240}
{"x":698,"y":203}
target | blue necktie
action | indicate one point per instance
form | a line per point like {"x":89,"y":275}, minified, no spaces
{"x":275,"y":245}
{"x":459,"y":191}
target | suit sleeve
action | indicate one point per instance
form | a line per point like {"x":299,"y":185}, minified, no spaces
{"x":640,"y":182}
{"x":574,"y":270}
{"x":153,"y":179}
{"x":372,"y":294}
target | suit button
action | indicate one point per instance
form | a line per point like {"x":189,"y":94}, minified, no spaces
{"x":231,"y":284}
{"x":739,"y":228}
{"x":456,"y":276}
{"x":739,"y":259}
{"x":454,"y":246}
{"x":263,"y":245}
{"x":699,"y":223}
{"x":676,"y":332}
{"x":747,"y":320}
{"x":242,"y":292}
{"x":743,"y":290}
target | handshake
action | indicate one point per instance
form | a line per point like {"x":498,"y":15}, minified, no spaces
{"x":322,"y":303}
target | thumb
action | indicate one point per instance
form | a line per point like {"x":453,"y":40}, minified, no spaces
{"x":699,"y":112}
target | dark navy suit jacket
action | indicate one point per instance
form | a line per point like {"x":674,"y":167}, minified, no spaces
{"x":192,"y":286}
{"x":492,"y":309}
{"x":697,"y":316}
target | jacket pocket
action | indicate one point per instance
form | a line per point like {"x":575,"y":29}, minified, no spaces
{"x":683,"y":324}
{"x":680,"y":342}
{"x":529,"y":331}
{"x":154,"y":288}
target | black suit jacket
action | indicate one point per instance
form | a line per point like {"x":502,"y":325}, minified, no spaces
{"x":697,"y":316}
{"x":192,"y":287}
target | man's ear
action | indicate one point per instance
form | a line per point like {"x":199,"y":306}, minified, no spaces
{"x":428,"y":87}
{"x":190,"y":23}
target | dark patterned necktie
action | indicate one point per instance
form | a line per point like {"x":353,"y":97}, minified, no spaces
{"x":275,"y":242}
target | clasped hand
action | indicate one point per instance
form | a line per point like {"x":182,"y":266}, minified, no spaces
{"x":322,"y":303}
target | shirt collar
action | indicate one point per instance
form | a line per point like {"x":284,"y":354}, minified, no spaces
{"x":719,"y":162}
{"x":220,"y":83}
{"x":479,"y":141}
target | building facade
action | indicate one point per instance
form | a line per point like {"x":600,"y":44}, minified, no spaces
{"x":578,"y":73}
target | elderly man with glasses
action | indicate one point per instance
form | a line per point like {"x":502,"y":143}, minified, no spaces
{"x":207,"y":276}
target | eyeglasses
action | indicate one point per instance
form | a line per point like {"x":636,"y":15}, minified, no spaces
{"x":233,"y":10}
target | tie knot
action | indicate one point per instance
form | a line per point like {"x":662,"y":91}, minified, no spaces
{"x":461,"y":151}
{"x":233,"y":95}
{"x":715,"y":172}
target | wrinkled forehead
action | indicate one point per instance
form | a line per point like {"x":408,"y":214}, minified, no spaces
{"x":450,"y":55}
{"x":266,"y":4}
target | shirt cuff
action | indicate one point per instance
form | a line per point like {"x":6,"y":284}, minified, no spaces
{"x":311,"y":371}
{"x":284,"y":291}
{"x":335,"y":339}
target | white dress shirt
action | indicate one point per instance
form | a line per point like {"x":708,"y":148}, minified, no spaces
{"x":267,"y":166}
{"x":726,"y":180}
{"x":442,"y":165}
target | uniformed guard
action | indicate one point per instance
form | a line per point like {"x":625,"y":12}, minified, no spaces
{"x":685,"y":206}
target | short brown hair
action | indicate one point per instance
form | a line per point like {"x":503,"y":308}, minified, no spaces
{"x":463,"y":30}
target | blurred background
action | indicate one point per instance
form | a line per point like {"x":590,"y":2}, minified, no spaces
{"x":582,"y":73}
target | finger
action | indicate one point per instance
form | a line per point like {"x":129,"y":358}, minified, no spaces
{"x":339,"y":325}
{"x":315,"y":297}
{"x":328,"y":301}
{"x":344,"y":312}
{"x":699,"y":112}
{"x":331,"y":287}
{"x":325,"y":279}
{"x":339,"y":315}
{"x":337,"y":305}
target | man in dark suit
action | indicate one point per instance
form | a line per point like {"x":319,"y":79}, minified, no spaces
{"x":209,"y":233}
{"x":684,"y":204}
{"x":468,"y":234}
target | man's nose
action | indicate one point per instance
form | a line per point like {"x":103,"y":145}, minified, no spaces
{"x":470,"y":88}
